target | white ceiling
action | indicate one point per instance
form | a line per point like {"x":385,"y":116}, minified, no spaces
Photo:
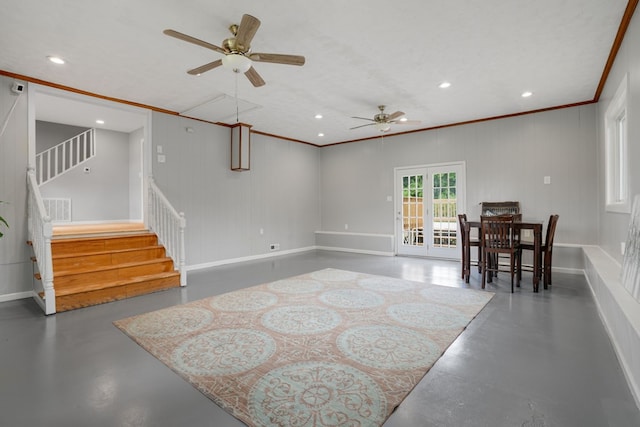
{"x":359,"y":54}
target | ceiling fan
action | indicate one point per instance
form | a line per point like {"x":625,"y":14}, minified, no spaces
{"x":383,"y":121}
{"x":237,"y":51}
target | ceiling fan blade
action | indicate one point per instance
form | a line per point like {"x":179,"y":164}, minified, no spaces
{"x":248,"y":27}
{"x":407,"y":122}
{"x":254,"y":77}
{"x":194,"y":40}
{"x":361,"y":126}
{"x":395,"y":115}
{"x":363,"y":118}
{"x":205,"y":67}
{"x":278,"y":58}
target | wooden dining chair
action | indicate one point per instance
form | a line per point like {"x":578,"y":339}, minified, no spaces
{"x":498,"y":237}
{"x":467,"y":242}
{"x":546,"y":248}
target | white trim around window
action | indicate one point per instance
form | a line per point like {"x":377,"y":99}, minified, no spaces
{"x":616,"y":158}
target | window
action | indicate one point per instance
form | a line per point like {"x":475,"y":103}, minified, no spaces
{"x":444,"y":208}
{"x":617,"y":192}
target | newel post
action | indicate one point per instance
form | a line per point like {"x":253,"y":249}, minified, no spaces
{"x":182,"y":258}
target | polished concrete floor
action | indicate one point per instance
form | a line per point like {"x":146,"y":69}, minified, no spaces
{"x":527,"y":360}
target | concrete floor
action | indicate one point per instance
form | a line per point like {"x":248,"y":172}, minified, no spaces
{"x":534,"y":360}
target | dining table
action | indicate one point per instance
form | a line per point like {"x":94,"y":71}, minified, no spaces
{"x":524,"y":224}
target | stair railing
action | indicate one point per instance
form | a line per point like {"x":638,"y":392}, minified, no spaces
{"x":40,"y":232}
{"x":169,"y":226}
{"x":65,"y":156}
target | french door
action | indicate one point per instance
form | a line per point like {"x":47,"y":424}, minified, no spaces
{"x":428,"y":199}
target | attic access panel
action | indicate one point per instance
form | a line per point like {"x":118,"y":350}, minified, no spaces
{"x":221,"y":109}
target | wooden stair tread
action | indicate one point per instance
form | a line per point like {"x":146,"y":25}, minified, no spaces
{"x":100,"y":267}
{"x":106,"y":251}
{"x":63,"y":230}
{"x":94,"y":269}
{"x":90,"y":287}
{"x":98,"y":236}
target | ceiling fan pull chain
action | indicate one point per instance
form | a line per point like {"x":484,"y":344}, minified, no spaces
{"x":237,"y":109}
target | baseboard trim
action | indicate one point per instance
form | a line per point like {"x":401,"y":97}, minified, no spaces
{"x":247,"y":258}
{"x":16,"y":296}
{"x":355,"y":251}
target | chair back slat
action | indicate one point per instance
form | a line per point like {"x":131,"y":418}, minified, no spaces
{"x":498,"y":232}
{"x":551,"y":231}
{"x":462,"y":220}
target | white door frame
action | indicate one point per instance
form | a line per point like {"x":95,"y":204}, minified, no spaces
{"x":426,"y":250}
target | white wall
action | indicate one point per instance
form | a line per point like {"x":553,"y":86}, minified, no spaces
{"x":613,"y":226}
{"x":15,"y":265}
{"x":506,"y":159}
{"x":620,"y":312}
{"x":225,"y":210}
{"x":103,"y":193}
{"x":51,"y":134}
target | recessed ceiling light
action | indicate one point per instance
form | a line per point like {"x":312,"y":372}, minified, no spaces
{"x":404,"y":119}
{"x":321,"y":134}
{"x":100,"y":122}
{"x":318,"y":116}
{"x":56,"y":60}
{"x":444,"y":85}
{"x":526,"y":94}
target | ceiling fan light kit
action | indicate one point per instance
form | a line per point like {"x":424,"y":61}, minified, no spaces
{"x":236,"y":63}
{"x":383,"y":127}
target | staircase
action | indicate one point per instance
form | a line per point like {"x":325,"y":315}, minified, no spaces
{"x":103,"y":267}
{"x":65,"y":156}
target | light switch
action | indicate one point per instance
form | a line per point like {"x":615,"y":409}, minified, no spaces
{"x":159,"y":149}
{"x":547,"y":179}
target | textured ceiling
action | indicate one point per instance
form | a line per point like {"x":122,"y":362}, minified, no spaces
{"x":359,"y":54}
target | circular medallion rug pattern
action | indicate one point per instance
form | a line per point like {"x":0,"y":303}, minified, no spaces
{"x":223,"y":352}
{"x":388,"y":347}
{"x":352,"y":298}
{"x":326,"y":348}
{"x":296,"y":286}
{"x":303,"y":319}
{"x":317,"y":394}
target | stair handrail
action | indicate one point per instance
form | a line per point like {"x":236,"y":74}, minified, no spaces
{"x":40,"y":232}
{"x":63,"y":157}
{"x":169,"y":226}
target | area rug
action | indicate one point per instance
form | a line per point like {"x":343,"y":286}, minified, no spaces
{"x":328,"y":348}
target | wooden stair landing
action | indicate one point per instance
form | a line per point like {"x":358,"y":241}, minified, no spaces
{"x":108,"y":264}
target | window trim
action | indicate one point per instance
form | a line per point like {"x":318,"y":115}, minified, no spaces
{"x":616,"y":152}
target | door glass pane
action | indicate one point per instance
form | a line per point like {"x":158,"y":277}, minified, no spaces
{"x":412,"y":210}
{"x":445,"y":211}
